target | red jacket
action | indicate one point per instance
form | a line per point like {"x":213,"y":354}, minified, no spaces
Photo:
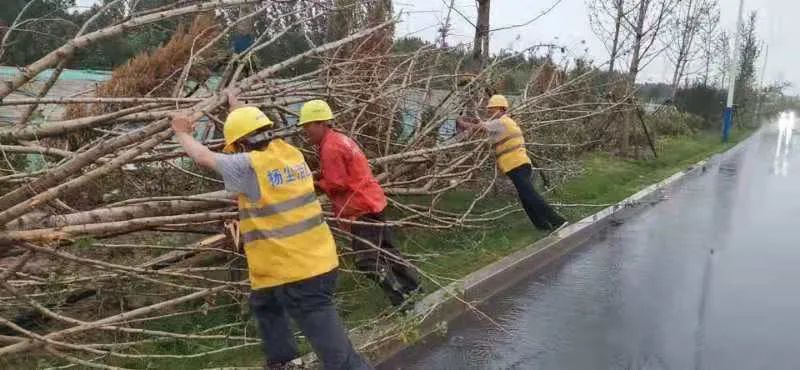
{"x":346,"y":178}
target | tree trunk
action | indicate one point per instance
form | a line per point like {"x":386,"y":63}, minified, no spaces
{"x":481,"y":44}
{"x":637,"y":42}
{"x":707,"y":69}
{"x":687,"y":28}
{"x":617,"y":28}
{"x":205,"y":202}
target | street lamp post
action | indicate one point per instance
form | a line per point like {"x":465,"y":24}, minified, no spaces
{"x":727,"y":116}
{"x":761,"y":84}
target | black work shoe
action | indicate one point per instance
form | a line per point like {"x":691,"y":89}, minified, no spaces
{"x":401,"y":298}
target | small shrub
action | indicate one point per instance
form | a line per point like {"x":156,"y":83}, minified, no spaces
{"x":671,"y":122}
{"x":703,"y":101}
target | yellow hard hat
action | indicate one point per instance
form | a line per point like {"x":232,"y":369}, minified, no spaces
{"x":315,"y":110}
{"x":497,"y":101}
{"x":242,"y":122}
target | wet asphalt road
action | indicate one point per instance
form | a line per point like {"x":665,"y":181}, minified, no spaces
{"x":707,"y":279}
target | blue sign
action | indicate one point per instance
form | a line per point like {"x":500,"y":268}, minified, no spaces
{"x":288,"y":174}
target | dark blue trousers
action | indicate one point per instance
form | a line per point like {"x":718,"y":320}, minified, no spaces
{"x":540,"y":213}
{"x":309,"y":303}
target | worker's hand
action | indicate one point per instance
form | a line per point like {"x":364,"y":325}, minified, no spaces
{"x":466,"y":120}
{"x":464,"y":123}
{"x":182,"y":123}
{"x":233,"y":100}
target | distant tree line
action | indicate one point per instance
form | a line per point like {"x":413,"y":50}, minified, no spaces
{"x":47,"y":24}
{"x":36,"y":27}
{"x":686,"y":33}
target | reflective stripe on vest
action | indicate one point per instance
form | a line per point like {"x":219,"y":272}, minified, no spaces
{"x":276,"y":208}
{"x":506,"y":139}
{"x":284,"y":232}
{"x":510,"y":150}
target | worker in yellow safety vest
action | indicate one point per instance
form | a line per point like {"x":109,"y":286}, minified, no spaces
{"x":291,"y":255}
{"x":508,"y":143}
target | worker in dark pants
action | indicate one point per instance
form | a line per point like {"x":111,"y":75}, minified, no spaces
{"x":309,"y":303}
{"x":356,"y":196}
{"x":291,"y":254}
{"x":540,"y":213}
{"x":397,"y":279}
{"x":512,"y":159}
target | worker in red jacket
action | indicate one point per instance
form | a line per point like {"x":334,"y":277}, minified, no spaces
{"x":345,"y":176}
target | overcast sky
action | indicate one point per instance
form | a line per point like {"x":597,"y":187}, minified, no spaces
{"x":568,"y":24}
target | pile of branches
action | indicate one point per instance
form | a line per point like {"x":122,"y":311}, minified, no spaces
{"x":115,"y":231}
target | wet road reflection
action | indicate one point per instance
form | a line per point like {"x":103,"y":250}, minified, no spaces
{"x":707,"y":279}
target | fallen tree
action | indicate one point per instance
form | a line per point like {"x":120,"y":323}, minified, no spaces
{"x":111,"y":217}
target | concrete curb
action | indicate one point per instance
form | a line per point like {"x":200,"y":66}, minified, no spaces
{"x":442,"y":306}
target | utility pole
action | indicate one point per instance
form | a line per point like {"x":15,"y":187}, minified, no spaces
{"x":445,"y":30}
{"x":761,"y":84}
{"x":727,"y":115}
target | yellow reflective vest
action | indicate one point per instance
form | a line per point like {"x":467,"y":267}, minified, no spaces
{"x":285,"y":235}
{"x":509,"y":146}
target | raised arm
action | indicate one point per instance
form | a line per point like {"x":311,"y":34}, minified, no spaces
{"x":183,"y":126}
{"x":464,"y":123}
{"x":233,"y":101}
